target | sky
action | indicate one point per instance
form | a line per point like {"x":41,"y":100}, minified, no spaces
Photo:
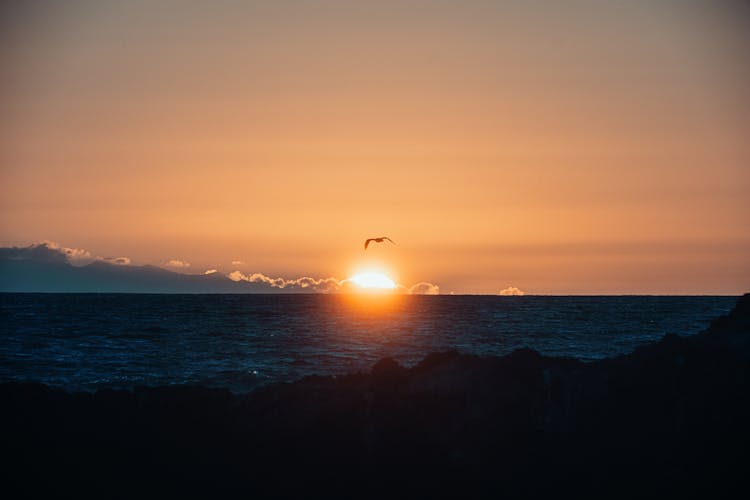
{"x":578,"y":147}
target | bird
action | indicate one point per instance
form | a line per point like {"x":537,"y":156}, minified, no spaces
{"x":378,"y":240}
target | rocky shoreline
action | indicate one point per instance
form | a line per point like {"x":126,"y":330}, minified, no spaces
{"x":669,"y":419}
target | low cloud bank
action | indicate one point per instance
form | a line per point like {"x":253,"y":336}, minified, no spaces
{"x":77,"y":255}
{"x":326,"y":285}
{"x":511,"y":290}
{"x":322,"y":285}
{"x":49,"y":251}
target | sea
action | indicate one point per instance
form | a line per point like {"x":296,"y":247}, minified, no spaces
{"x":240,"y":342}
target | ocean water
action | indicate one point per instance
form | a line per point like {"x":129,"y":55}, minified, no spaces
{"x":92,"y":341}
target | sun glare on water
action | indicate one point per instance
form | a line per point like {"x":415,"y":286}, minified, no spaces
{"x":373,"y":281}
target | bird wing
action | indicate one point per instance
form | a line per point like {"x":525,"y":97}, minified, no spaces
{"x":387,"y":238}
{"x":367,"y":242}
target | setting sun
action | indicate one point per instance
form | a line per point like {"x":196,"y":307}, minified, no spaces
{"x":371,"y":280}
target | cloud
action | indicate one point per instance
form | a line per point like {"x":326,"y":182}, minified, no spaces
{"x":511,"y":290}
{"x":323,"y":285}
{"x":177,"y":264}
{"x":319,"y":285}
{"x":424,"y":288}
{"x":257,"y":278}
{"x":77,"y":255}
{"x":326,"y":285}
{"x":73,"y":255}
{"x":38,"y":252}
{"x":238,"y":263}
{"x":119,"y":261}
{"x":49,"y":251}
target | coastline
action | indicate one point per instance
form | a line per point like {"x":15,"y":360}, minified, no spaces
{"x":670,"y":418}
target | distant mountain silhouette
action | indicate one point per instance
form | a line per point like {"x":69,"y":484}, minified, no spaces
{"x":39,"y":268}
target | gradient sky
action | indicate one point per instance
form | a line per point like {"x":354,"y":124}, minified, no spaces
{"x":560,"y":147}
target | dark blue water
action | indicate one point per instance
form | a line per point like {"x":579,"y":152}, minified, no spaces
{"x":90,"y":341}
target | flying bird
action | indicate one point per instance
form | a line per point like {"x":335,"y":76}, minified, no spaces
{"x":378,"y":240}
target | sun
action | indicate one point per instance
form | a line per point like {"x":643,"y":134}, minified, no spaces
{"x":373,"y":281}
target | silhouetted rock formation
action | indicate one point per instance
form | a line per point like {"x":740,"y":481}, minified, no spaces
{"x":669,"y":419}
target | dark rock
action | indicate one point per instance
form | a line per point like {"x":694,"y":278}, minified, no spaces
{"x":387,"y":368}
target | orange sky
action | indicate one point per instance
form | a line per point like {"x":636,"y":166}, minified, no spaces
{"x":591,"y":147}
